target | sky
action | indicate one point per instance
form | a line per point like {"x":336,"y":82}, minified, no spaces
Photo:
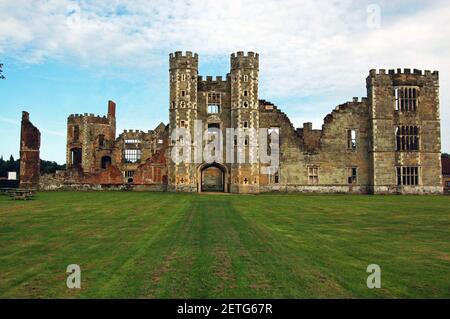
{"x":62,"y":57}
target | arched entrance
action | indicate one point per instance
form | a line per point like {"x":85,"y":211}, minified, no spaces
{"x":213,"y":178}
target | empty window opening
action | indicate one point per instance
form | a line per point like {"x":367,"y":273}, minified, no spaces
{"x":182,"y":104}
{"x":183,"y":77}
{"x":245,"y":124}
{"x":101,"y":140}
{"x":214,"y":98}
{"x":407,"y":138}
{"x":352,"y":175}
{"x":132,"y":155}
{"x":352,"y":139}
{"x":75,"y":157}
{"x":245,"y":104}
{"x":245,"y":78}
{"x":406,"y":99}
{"x":245,"y":93}
{"x":182,"y":123}
{"x":313,"y":175}
{"x":106,"y":162}
{"x":245,"y":180}
{"x":276,"y":179}
{"x":173,"y":104}
{"x":213,"y":108}
{"x":407,"y":175}
{"x":183,"y":93}
{"x":76,"y":133}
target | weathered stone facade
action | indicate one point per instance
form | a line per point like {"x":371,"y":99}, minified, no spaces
{"x":387,"y":142}
{"x":30,"y":142}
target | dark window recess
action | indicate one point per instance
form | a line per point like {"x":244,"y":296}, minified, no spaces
{"x":407,"y":175}
{"x":406,"y":99}
{"x":407,"y":138}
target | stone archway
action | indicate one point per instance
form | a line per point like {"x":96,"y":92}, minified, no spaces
{"x":212,"y":178}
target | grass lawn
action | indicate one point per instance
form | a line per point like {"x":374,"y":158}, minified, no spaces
{"x":166,"y":245}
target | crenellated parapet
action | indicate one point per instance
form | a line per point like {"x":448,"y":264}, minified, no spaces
{"x":211,"y":83}
{"x":403,"y":77}
{"x":88,"y":118}
{"x":240,"y":60}
{"x":178,"y":60}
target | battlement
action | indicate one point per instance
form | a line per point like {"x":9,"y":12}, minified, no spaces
{"x":180,"y":60}
{"x":241,"y":54}
{"x":426,"y":73}
{"x":88,"y":117}
{"x":211,"y":79}
{"x":242,"y":60}
{"x":179,"y":54}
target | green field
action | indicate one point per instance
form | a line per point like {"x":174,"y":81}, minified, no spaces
{"x":167,"y":245}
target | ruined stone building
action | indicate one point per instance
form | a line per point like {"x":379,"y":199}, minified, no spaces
{"x":387,"y":142}
{"x":30,"y":143}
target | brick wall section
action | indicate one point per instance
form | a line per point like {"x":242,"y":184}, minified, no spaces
{"x":30,"y":142}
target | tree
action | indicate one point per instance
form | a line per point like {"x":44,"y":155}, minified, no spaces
{"x":445,"y":155}
{"x":2,"y":77}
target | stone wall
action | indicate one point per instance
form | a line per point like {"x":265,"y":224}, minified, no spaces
{"x":30,"y":142}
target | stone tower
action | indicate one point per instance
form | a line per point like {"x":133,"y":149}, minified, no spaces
{"x":405,"y":142}
{"x":245,"y":115}
{"x":183,"y":113}
{"x":90,"y":139}
{"x":30,"y":142}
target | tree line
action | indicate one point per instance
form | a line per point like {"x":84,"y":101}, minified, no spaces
{"x":13,"y":165}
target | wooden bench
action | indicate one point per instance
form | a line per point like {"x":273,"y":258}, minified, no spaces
{"x":22,"y":194}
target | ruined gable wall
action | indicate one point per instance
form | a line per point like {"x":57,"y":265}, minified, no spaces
{"x":30,"y":142}
{"x":334,"y":157}
{"x":326,"y":148}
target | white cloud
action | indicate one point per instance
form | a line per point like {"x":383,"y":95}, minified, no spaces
{"x":307,"y":48}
